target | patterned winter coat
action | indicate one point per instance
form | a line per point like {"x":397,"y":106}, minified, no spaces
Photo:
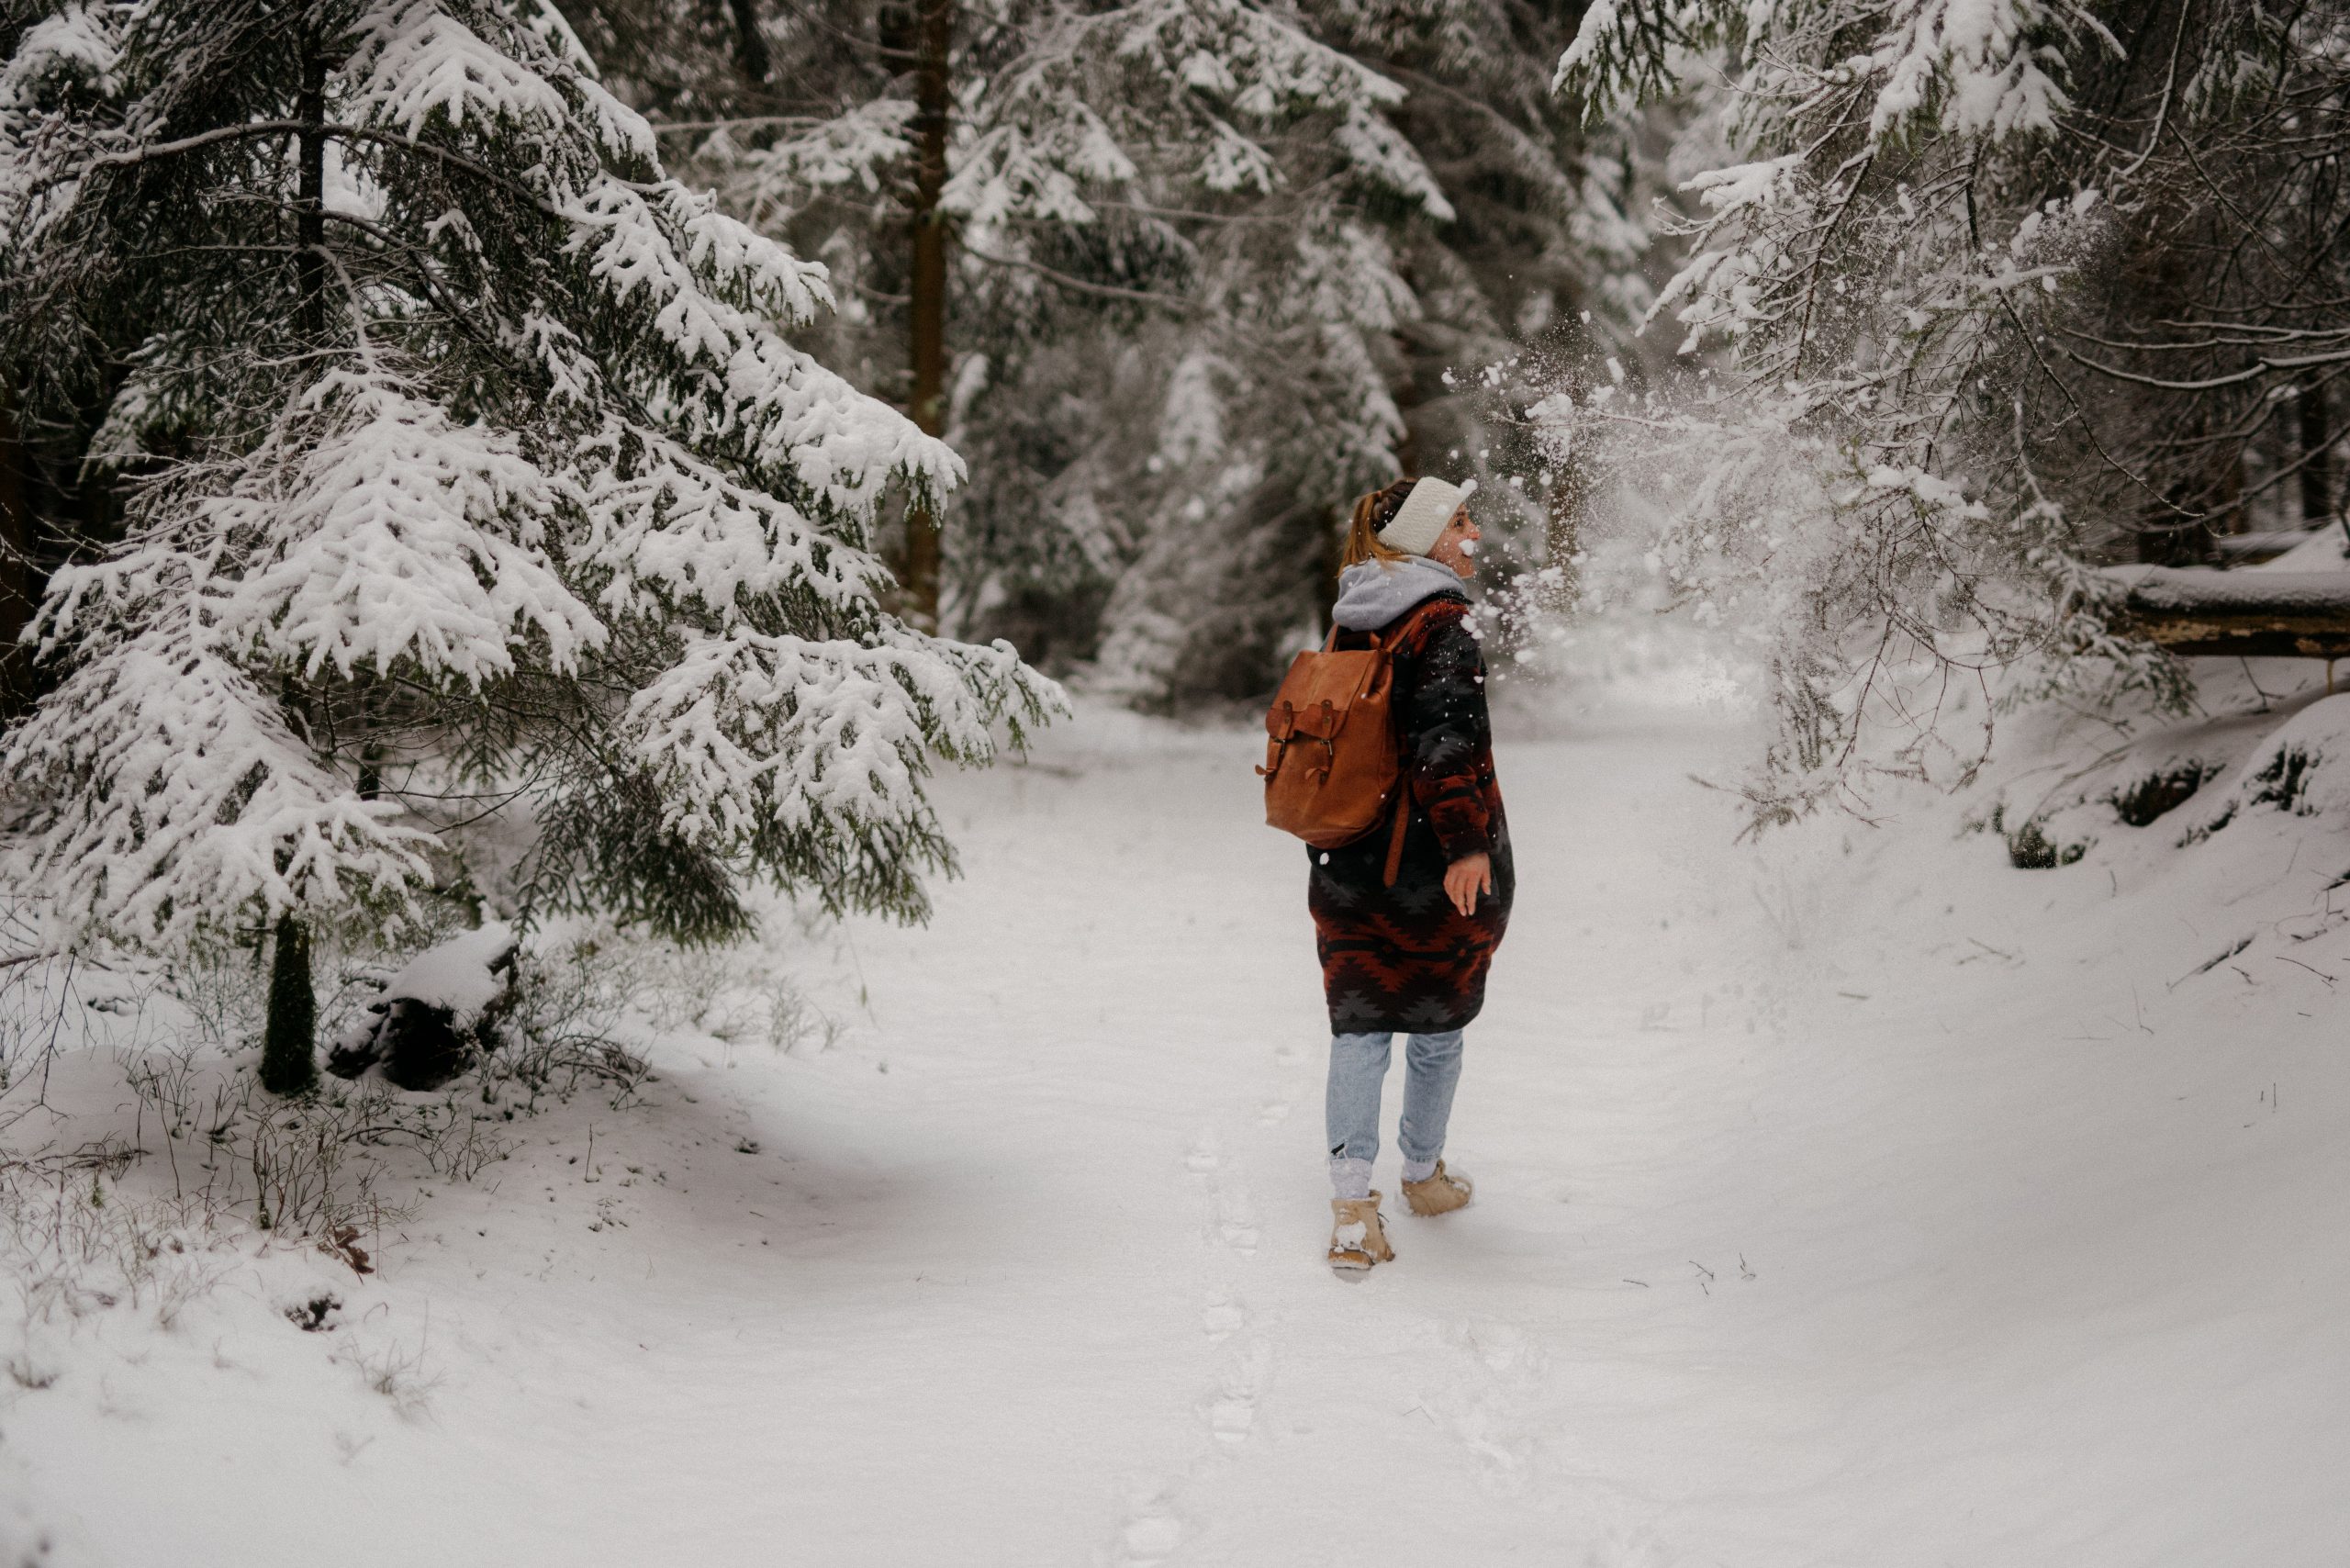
{"x":1402,"y":958}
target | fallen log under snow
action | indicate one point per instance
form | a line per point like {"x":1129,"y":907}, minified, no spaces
{"x":436,"y":1015}
{"x":2197,"y":611}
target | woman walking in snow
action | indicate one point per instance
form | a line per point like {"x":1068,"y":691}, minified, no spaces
{"x":1411,"y":958}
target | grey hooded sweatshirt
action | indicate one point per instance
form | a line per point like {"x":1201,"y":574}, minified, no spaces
{"x":1372,"y":593}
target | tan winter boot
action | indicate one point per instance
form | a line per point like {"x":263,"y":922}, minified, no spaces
{"x":1439,"y":1194}
{"x":1357,"y":1240}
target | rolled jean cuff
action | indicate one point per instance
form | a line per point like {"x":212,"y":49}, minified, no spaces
{"x":1349,"y":1178}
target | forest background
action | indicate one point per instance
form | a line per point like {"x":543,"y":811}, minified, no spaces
{"x":1202,"y":274}
{"x":1861,"y":332}
{"x":469,"y":455}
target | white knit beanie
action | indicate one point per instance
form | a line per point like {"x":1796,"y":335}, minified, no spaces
{"x":1420,"y":520}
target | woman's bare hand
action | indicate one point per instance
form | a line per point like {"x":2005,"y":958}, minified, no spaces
{"x":1466,"y":876}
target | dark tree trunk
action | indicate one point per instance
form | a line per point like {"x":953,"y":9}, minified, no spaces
{"x":289,"y":1039}
{"x":367,"y":716}
{"x":16,"y":536}
{"x":934,"y":36}
{"x":2317,"y":464}
{"x":289,"y":1063}
{"x":309,"y":201}
{"x":750,"y":44}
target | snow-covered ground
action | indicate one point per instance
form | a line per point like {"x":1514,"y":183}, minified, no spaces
{"x":1853,"y":1199}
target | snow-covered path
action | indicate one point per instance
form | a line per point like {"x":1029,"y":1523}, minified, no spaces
{"x":1932,"y":1228}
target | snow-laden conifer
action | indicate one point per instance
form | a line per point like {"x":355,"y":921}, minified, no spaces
{"x":462,"y":465}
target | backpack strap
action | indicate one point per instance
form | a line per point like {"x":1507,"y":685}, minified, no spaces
{"x":1402,"y":821}
{"x":1413,"y":617}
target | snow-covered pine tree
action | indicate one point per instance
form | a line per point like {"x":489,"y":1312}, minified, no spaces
{"x":2006,"y":288}
{"x":461,"y":468}
{"x":1173,"y":299}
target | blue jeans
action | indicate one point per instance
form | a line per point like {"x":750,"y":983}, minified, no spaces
{"x":1358,"y":1070}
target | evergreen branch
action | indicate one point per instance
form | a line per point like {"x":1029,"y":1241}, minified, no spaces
{"x":1109,"y":291}
{"x":260,"y":129}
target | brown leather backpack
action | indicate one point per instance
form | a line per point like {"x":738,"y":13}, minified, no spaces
{"x":1334,"y":767}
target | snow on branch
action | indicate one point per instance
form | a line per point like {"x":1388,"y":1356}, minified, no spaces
{"x":415,"y":63}
{"x":379,"y":533}
{"x":1229,"y":73}
{"x":629,"y":248}
{"x":1962,"y":67}
{"x":749,"y":732}
{"x":793,"y":417}
{"x":665,"y":528}
{"x":856,"y":148}
{"x":171,"y":795}
{"x":1037,"y":169}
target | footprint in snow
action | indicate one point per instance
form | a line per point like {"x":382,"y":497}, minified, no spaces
{"x":1484,"y":1408}
{"x":1235,"y":1220}
{"x":1233,"y":1410}
{"x":1151,"y":1538}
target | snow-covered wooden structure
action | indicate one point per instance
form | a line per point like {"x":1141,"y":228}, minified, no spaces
{"x":2265,"y":613}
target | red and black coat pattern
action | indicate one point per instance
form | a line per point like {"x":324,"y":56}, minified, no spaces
{"x":1403,"y":958}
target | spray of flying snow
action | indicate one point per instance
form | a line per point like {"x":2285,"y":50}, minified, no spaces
{"x":1835,"y":472}
{"x":1868,"y":589}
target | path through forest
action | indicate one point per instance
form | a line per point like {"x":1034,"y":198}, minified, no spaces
{"x":1835,"y":1206}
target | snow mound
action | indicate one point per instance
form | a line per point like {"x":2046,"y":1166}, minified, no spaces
{"x":457,"y":975}
{"x":2264,"y":739}
{"x":2298,"y":767}
{"x":2323,"y":549}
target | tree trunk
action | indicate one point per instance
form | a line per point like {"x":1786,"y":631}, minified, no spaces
{"x":2317,"y":466}
{"x":288,"y":1064}
{"x":16,"y":567}
{"x":751,"y":55}
{"x":918,"y":568}
{"x":289,"y":1039}
{"x":2237,"y":614}
{"x":309,"y":201}
{"x":367,"y":716}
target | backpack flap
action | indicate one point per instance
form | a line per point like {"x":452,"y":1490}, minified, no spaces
{"x":1330,"y":749}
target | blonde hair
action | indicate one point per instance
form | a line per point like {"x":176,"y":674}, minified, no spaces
{"x":1373,"y":512}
